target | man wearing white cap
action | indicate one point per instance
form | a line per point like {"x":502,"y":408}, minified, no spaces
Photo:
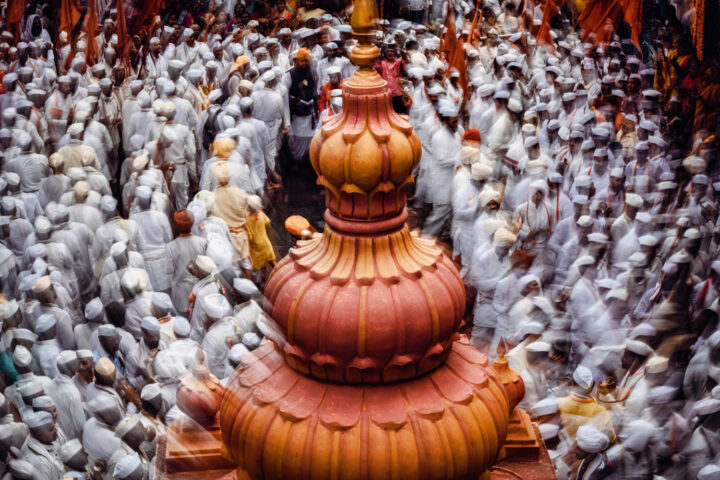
{"x":702,"y":448}
{"x":632,"y":389}
{"x":46,"y":348}
{"x":579,"y":408}
{"x":333,"y":58}
{"x":38,"y":449}
{"x":67,"y":398}
{"x":190,"y":50}
{"x":129,"y":467}
{"x":99,"y":440}
{"x":155,"y":233}
{"x":533,"y":375}
{"x":591,"y":445}
{"x":487,"y":267}
{"x":537,"y":219}
{"x":57,"y":109}
{"x":155,"y":63}
{"x":23,"y":363}
{"x":268,"y":107}
{"x":445,"y":147}
{"x":44,"y":292}
{"x":217,"y":329}
{"x":503,"y":132}
{"x":622,"y":225}
{"x":131,"y":432}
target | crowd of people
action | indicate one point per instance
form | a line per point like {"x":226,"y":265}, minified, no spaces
{"x":576,"y":182}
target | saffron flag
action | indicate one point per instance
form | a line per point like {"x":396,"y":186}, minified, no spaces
{"x":600,"y":19}
{"x":472,"y":40}
{"x":149,"y":7}
{"x":552,"y":8}
{"x":123,"y":48}
{"x":15,"y":11}
{"x":633,"y":17}
{"x":458,"y":60}
{"x":70,"y":15}
{"x":91,"y":31}
{"x":449,"y":39}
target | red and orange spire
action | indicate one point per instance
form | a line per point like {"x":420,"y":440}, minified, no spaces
{"x":366,"y":375}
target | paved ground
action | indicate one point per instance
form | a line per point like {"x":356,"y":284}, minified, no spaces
{"x":304,"y":197}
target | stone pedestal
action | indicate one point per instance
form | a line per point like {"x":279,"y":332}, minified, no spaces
{"x":192,"y":452}
{"x":524,"y":454}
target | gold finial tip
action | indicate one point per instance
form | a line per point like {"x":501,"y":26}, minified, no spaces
{"x":363,"y":17}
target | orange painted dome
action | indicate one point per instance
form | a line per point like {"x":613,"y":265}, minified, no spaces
{"x":366,"y":309}
{"x":364,"y":374}
{"x":365,"y":156}
{"x":282,"y":424}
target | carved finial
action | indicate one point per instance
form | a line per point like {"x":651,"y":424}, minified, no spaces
{"x":362,"y":23}
{"x":501,"y":348}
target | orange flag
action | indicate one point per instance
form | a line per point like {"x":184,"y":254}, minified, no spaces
{"x":91,"y":31}
{"x":449,"y":40}
{"x":458,"y":60}
{"x":472,"y":40}
{"x":552,"y":8}
{"x":15,"y":11}
{"x":70,"y":15}
{"x":633,"y":16}
{"x":600,"y":19}
{"x":123,"y":48}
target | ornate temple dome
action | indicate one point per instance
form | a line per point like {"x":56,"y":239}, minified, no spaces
{"x":365,"y":375}
{"x":367,"y":309}
{"x":278,"y":423}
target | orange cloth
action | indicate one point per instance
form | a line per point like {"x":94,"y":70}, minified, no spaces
{"x":552,"y":7}
{"x":69,"y":15}
{"x":123,"y":46}
{"x":15,"y":10}
{"x":599,"y":20}
{"x":184,"y":220}
{"x":324,"y":99}
{"x":633,"y":17}
{"x":91,"y":30}
{"x":295,"y":224}
{"x":304,"y":54}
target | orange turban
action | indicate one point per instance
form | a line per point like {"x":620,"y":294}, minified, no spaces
{"x":184,"y":220}
{"x":304,"y":54}
{"x":472,"y":135}
{"x":239,"y":62}
{"x":295,"y":224}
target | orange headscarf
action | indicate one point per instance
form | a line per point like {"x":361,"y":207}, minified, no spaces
{"x":304,"y":54}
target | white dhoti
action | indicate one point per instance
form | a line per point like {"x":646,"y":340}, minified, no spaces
{"x":159,"y":269}
{"x":301,"y":134}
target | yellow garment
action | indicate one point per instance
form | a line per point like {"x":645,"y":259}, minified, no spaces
{"x":231,"y":205}
{"x":261,"y":250}
{"x":576,"y":411}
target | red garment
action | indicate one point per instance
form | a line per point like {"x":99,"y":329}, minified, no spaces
{"x":391,"y":72}
{"x":324,"y":99}
{"x":689,"y":91}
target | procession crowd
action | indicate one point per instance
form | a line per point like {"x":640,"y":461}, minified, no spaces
{"x":576,"y":181}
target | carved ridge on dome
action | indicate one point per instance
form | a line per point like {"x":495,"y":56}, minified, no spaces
{"x":335,"y":255}
{"x":373,"y":344}
{"x":458,"y":420}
